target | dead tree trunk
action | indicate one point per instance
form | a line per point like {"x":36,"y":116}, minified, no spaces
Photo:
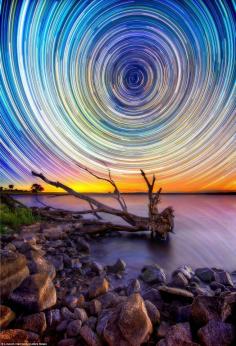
{"x":159,"y":224}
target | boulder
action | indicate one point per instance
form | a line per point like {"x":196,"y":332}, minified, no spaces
{"x":73,"y":328}
{"x":98,"y":286}
{"x":35,"y":294}
{"x":153,"y":312}
{"x":6,"y":316}
{"x":205,"y":274}
{"x":134,"y":322}
{"x":18,"y":336}
{"x":116,"y":268}
{"x":171,"y":293}
{"x":152,"y":274}
{"x":38,"y":264}
{"x":89,"y":336}
{"x":204,"y":309}
{"x":34,"y":323}
{"x":217,"y":333}
{"x":13,"y":270}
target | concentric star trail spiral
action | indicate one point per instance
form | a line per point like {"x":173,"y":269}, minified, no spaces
{"x":120,"y":84}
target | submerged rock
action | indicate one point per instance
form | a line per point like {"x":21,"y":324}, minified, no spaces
{"x":153,"y":274}
{"x":36,"y":293}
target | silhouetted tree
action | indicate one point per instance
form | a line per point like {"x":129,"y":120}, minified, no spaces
{"x":35,"y":188}
{"x":11,"y":187}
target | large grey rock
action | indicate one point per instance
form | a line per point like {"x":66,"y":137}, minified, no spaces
{"x":153,"y":274}
{"x":13,"y":270}
{"x":205,"y":274}
{"x":172,"y":293}
{"x":36,"y":293}
{"x":129,"y":323}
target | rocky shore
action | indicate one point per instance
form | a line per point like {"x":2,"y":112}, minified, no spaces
{"x":52,"y":293}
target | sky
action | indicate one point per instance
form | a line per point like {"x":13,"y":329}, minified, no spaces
{"x":118,"y":85}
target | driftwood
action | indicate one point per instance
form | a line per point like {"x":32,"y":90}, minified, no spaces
{"x":158,"y":223}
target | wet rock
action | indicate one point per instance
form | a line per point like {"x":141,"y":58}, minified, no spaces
{"x":98,"y":286}
{"x":224,"y":278}
{"x":89,"y":336}
{"x":133,"y":287}
{"x":53,"y":317}
{"x":73,"y":328}
{"x":95,"y":307}
{"x":82,"y":245}
{"x":185,"y":270}
{"x":205,"y":274}
{"x":178,"y":335}
{"x":217,"y":333}
{"x":118,"y":267}
{"x":38,"y":264}
{"x":179,"y":280}
{"x":36,"y":293}
{"x":34,"y":323}
{"x":153,"y":274}
{"x":204,"y":309}
{"x":13,"y":270}
{"x":6,"y":316}
{"x":80,"y":314}
{"x":171,"y":293}
{"x":153,"y":312}
{"x":18,"y":336}
{"x":134,"y":322}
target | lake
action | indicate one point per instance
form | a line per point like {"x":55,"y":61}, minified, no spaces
{"x":205,"y":232}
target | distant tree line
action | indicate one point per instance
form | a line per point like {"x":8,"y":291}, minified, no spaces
{"x":35,"y":188}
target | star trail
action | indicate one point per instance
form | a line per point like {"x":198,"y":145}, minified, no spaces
{"x":120,"y":84}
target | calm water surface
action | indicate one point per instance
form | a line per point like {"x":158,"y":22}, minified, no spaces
{"x":205,"y":232}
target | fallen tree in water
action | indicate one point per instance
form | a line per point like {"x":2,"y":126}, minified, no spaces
{"x":158,"y":223}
